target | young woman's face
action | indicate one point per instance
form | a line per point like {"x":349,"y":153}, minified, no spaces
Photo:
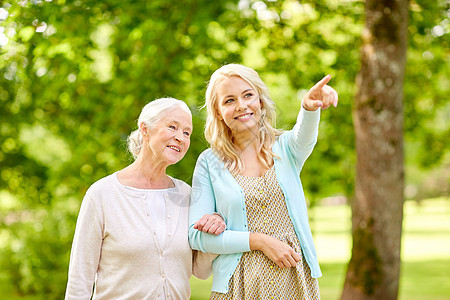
{"x":238,"y":105}
{"x":169,"y":140}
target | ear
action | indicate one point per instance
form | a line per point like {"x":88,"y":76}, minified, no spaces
{"x":143,"y":129}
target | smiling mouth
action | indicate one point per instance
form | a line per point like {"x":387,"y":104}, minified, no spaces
{"x":243,"y":117}
{"x":174,"y":148}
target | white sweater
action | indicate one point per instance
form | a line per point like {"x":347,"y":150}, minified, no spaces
{"x":115,"y":246}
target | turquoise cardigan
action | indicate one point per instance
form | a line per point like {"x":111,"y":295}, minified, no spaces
{"x":214,"y":189}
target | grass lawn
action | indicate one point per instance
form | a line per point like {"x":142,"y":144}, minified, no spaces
{"x":425,"y":251}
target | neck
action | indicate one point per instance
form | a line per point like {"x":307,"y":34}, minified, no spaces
{"x":246,"y":140}
{"x":148,"y":169}
{"x":143,"y":173}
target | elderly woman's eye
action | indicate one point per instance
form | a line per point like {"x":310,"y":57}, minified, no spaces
{"x":186,"y":133}
{"x":172,"y":127}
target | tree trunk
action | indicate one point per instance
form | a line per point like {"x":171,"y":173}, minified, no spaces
{"x":374,"y":268}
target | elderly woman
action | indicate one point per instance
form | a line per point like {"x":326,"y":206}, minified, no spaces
{"x":131,"y":237}
{"x":251,"y":177}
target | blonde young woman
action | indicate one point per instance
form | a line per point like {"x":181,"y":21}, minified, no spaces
{"x":250,"y":176}
{"x":131,"y":237}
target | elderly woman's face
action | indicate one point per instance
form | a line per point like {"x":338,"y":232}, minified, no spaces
{"x":169,"y":140}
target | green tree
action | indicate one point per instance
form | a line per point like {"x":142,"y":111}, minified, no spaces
{"x":74,"y":76}
{"x":377,"y":210}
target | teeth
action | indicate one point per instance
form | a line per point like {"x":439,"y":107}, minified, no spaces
{"x":243,"y":117}
{"x":174,"y":148}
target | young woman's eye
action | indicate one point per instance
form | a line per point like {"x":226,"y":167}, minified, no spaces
{"x":229,"y":100}
{"x":248,"y":95}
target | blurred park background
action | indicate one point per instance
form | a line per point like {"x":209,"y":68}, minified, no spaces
{"x":74,"y":76}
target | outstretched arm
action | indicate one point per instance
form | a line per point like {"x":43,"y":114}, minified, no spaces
{"x":302,"y":138}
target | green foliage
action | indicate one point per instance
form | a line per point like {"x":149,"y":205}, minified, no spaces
{"x":427,"y":85}
{"x":74,"y":76}
{"x":426,"y":105}
{"x":37,"y":261}
{"x":70,"y":95}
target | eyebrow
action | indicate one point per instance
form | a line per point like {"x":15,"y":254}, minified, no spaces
{"x":178,"y":124}
{"x":241,"y":93}
{"x":185,"y":128}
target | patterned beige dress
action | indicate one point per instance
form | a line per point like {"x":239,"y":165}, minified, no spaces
{"x":256,"y":276}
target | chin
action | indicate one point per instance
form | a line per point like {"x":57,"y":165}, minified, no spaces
{"x":246,"y":126}
{"x":174,"y":160}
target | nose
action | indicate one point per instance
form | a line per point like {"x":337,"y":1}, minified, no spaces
{"x":240,"y":104}
{"x":178,"y":136}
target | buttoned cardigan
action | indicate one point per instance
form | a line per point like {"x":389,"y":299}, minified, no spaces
{"x":214,"y":189}
{"x":116,"y":247}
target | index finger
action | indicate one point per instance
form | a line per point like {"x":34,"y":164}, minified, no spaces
{"x":319,"y":85}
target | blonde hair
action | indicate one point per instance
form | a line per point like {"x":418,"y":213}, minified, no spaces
{"x":217,"y":132}
{"x":150,"y":115}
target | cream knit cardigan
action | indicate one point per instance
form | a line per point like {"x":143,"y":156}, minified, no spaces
{"x":115,"y":246}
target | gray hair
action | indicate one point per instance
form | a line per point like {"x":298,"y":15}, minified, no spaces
{"x":150,"y":115}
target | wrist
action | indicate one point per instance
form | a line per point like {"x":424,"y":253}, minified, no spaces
{"x":309,"y":108}
{"x":256,"y":240}
{"x":219,"y":215}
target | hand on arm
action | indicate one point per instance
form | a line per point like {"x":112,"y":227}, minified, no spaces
{"x":211,"y":223}
{"x":320,"y":95}
{"x":279,"y":252}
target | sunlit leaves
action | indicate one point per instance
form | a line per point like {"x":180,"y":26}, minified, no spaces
{"x":74,"y":76}
{"x":427,"y":85}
